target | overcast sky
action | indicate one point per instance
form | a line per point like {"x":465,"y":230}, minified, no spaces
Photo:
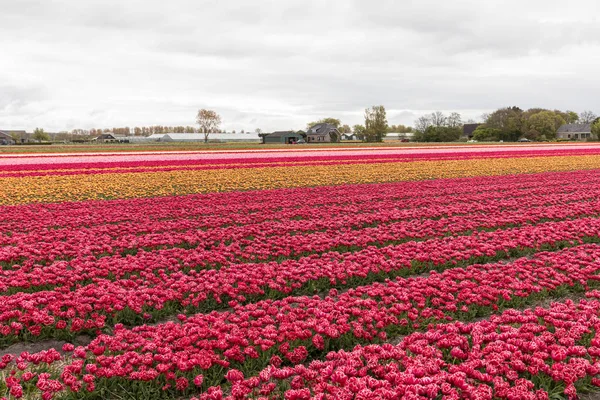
{"x":277,"y":64}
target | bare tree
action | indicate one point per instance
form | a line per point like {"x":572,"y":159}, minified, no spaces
{"x":454,"y":120}
{"x":587,"y":117}
{"x":438,"y":118}
{"x":209,"y":122}
{"x":422,"y":123}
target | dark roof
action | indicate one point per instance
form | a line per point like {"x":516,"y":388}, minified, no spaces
{"x":3,"y":134}
{"x":321,"y":129}
{"x":282,"y":133}
{"x":106,"y":136}
{"x":468,"y":129}
{"x":9,"y":132}
{"x":575,"y":128}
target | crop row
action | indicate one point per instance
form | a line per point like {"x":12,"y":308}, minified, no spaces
{"x":293,"y":235}
{"x":530,"y":355}
{"x":207,"y":349}
{"x":151,"y":293}
{"x":241,"y":208}
{"x":84,"y":164}
{"x":58,"y":188}
{"x":232,"y":245}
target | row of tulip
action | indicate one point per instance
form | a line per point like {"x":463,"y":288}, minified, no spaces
{"x":71,"y":274}
{"x":144,"y":294}
{"x":111,"y":168}
{"x":321,"y":206}
{"x":208,"y":349}
{"x":268,"y":240}
{"x":536,"y":354}
{"x":275,"y":234}
{"x":251,"y":207}
{"x":58,"y":188}
{"x":95,"y":164}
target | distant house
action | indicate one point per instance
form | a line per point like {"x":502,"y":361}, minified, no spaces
{"x":5,"y":138}
{"x":322,"y":133}
{"x":105,"y":138}
{"x":468,"y":129}
{"x":285,"y":137}
{"x":8,"y":136}
{"x":575,"y":132}
{"x":349,"y":136}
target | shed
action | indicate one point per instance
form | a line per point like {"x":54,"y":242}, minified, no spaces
{"x":286,"y":137}
{"x":575,"y":132}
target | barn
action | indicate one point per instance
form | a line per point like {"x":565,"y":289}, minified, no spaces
{"x":285,"y":137}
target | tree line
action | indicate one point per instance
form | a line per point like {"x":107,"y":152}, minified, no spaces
{"x":539,"y":124}
{"x":506,"y":124}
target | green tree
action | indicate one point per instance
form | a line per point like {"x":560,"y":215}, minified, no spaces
{"x":40,"y":135}
{"x":345,"y":129}
{"x":508,"y":120}
{"x":375,"y":124}
{"x":546,"y":123}
{"x":440,"y":134}
{"x":399,"y":128}
{"x":484,"y":134}
{"x":16,"y":137}
{"x":596,"y":129}
{"x":359,"y":131}
{"x":572,"y":117}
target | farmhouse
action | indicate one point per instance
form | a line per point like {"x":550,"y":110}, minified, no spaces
{"x":285,"y":137}
{"x":575,"y":132}
{"x":105,"y":138}
{"x":468,"y":129}
{"x":8,"y":136}
{"x":322,"y":133}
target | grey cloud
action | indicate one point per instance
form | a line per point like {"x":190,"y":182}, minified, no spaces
{"x":277,"y":64}
{"x":17,"y":97}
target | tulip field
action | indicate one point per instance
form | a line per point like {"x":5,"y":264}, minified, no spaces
{"x":370,"y":273}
